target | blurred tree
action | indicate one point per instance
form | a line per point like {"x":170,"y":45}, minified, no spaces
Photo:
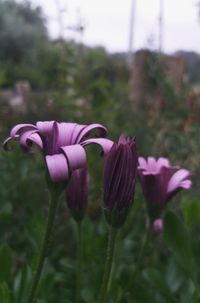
{"x":22,"y":28}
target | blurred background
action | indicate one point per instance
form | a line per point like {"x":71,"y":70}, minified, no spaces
{"x":133,"y":66}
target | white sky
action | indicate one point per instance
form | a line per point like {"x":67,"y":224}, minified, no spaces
{"x":107,"y":23}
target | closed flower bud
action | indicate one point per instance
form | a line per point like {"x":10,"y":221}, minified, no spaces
{"x":119,"y":180}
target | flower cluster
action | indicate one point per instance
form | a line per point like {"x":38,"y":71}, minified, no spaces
{"x":63,"y":147}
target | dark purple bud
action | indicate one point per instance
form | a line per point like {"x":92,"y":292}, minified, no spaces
{"x":119,"y":180}
{"x":77,"y":193}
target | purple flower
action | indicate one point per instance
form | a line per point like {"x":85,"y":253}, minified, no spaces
{"x":158,"y":225}
{"x":77,"y":193}
{"x":61,"y":143}
{"x":119,"y":179}
{"x":160,"y":182}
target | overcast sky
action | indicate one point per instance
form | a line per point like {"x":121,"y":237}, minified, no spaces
{"x":107,"y":23}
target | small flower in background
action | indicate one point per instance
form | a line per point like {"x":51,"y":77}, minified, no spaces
{"x":158,"y":225}
{"x":77,"y":193}
{"x":160,"y":182}
{"x":120,"y":172}
{"x":61,"y":143}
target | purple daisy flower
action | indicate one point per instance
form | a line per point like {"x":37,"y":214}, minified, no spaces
{"x":120,"y":172}
{"x":61,"y":143}
{"x":160,"y":182}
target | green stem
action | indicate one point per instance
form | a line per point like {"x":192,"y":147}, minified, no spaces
{"x":45,"y":244}
{"x":79,"y":262}
{"x":108,"y":265}
{"x":143,"y":246}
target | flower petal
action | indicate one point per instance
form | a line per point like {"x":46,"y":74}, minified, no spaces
{"x":76,"y":156}
{"x":162,"y":162}
{"x":6,"y":143}
{"x":28,"y":138}
{"x":66,"y":132}
{"x":176,"y":179}
{"x":45,"y":127}
{"x":105,"y":144}
{"x":142,"y":163}
{"x":19,"y":127}
{"x":58,"y":167}
{"x":88,"y":129}
{"x":151,"y":162}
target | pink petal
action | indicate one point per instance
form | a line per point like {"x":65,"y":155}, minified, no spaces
{"x":77,"y":130}
{"x":176,"y":179}
{"x":142,"y":163}
{"x":45,"y":127}
{"x":105,"y":144}
{"x":66,"y":133}
{"x":28,"y":138}
{"x":58,"y":167}
{"x":162,"y":162}
{"x":186,"y":184}
{"x":151,"y":162}
{"x":16,"y":129}
{"x":76,"y":156}
{"x":88,"y":129}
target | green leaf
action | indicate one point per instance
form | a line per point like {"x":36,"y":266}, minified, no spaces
{"x":177,"y":239}
{"x":191,"y":211}
{"x":156,"y":280}
{"x":5,"y":263}
{"x":4,"y":293}
{"x":21,"y":284}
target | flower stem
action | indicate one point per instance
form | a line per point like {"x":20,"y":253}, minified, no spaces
{"x":143,"y":246}
{"x":79,"y":262}
{"x":45,"y":244}
{"x":108,"y":264}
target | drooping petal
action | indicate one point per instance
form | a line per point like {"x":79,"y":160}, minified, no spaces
{"x":88,"y":129}
{"x":186,"y":184}
{"x":66,"y":133}
{"x":28,"y":138}
{"x":58,"y":167}
{"x":104,"y":143}
{"x":76,"y":156}
{"x":6,"y":144}
{"x":45,"y":127}
{"x":46,"y":130}
{"x":76,"y":132}
{"x":17,"y":129}
{"x":176,"y":179}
